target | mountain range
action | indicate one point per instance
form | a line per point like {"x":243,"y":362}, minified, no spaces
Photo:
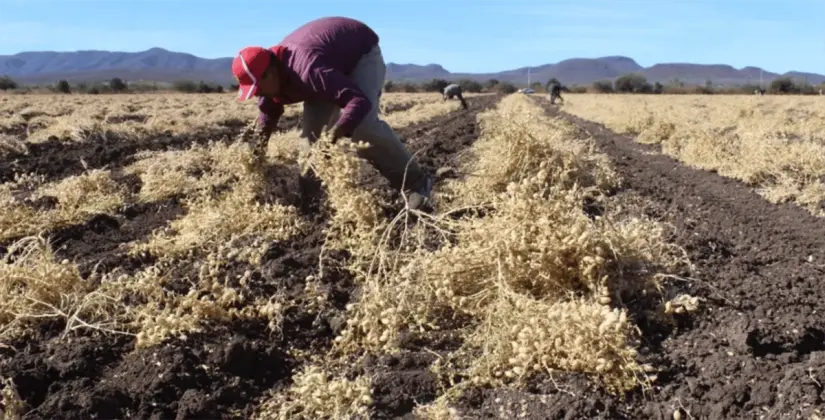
{"x":161,"y":65}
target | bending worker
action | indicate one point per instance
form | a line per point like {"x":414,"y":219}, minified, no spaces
{"x":335,"y":67}
{"x":454,"y":90}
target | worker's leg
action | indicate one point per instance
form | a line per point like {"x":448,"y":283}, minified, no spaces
{"x":318,"y":115}
{"x":386,"y":152}
{"x":463,"y":102}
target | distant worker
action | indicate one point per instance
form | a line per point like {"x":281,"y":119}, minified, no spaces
{"x":454,"y":90}
{"x":555,"y":92}
{"x":335,"y":67}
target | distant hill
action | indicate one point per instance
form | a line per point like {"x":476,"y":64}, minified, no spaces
{"x":158,"y":64}
{"x":155,"y":64}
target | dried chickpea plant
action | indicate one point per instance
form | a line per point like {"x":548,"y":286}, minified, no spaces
{"x":530,"y":285}
{"x":11,"y":405}
{"x":211,"y":223}
{"x":35,"y":286}
{"x":77,"y":198}
{"x":316,"y":394}
{"x":773,"y":143}
{"x":532,"y":282}
{"x":525,"y":142}
{"x":218,"y":231}
{"x":161,"y":313}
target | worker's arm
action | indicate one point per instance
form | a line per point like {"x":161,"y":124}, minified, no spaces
{"x":270,"y":113}
{"x":342,"y":91}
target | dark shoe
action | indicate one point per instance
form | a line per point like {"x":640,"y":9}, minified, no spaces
{"x":418,"y":199}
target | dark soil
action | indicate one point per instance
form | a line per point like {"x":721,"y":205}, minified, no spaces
{"x":756,"y":349}
{"x":438,"y":146}
{"x":16,"y":130}
{"x":96,"y":245}
{"x":221,"y":371}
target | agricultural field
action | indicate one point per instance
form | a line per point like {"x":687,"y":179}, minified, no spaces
{"x":775,"y":144}
{"x":150,"y":269}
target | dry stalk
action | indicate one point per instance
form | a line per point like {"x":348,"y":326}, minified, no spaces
{"x":316,"y":394}
{"x":11,"y":405}
{"x":536,"y":260}
{"x":35,"y":286}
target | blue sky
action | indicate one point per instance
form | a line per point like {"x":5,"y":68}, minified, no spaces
{"x":461,"y":35}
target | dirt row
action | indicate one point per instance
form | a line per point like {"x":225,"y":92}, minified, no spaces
{"x":220,"y":371}
{"x":57,"y":158}
{"x":756,"y":349}
{"x":95,"y":243}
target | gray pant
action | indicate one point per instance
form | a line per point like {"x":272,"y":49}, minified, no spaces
{"x":385,"y":152}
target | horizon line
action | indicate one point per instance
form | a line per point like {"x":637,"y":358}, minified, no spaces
{"x":431,"y":64}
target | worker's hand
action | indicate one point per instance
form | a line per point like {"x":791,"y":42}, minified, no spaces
{"x":260,"y":141}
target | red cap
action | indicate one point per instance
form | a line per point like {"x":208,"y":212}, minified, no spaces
{"x":248,"y":67}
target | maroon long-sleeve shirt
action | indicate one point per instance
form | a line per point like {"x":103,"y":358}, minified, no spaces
{"x":316,"y":58}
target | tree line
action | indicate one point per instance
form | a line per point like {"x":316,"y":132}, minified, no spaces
{"x":637,"y":83}
{"x":632,"y":83}
{"x":115,"y":85}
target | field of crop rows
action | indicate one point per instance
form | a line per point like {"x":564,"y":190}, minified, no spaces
{"x":149,"y":270}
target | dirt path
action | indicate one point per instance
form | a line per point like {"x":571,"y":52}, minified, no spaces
{"x":757,"y":347}
{"x":220,"y":371}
